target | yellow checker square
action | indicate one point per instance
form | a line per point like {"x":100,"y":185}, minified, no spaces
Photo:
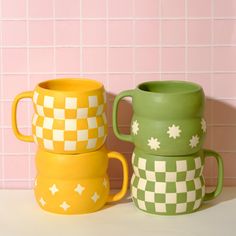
{"x":47,"y":134}
{"x":70,"y":135}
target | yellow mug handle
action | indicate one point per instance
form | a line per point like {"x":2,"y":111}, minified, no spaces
{"x":26,"y":138}
{"x":121,"y":194}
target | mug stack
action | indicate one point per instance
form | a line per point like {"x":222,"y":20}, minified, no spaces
{"x":168,"y":131}
{"x":69,"y":127}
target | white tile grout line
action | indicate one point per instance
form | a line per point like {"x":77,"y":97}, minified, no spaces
{"x":160,"y":38}
{"x":2,"y":174}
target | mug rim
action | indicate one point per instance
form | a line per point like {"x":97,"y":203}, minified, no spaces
{"x":196,"y":87}
{"x":43,"y":85}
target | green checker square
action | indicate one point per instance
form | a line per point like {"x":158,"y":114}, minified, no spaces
{"x":160,"y":177}
{"x":135,"y":201}
{"x":190,"y":185}
{"x":135,"y":181}
{"x":202,"y":181}
{"x":171,"y":166}
{"x":150,"y":186}
{"x":191,"y":164}
{"x":171,"y":209}
{"x":142,"y":173}
{"x":181,"y":176}
{"x":150,"y":207}
{"x":135,"y":162}
{"x":140,"y":194}
{"x":150,"y":165}
{"x":160,"y":198}
{"x":190,"y":206}
{"x":199,"y":193}
{"x":170,"y":187}
{"x":197,"y":172}
{"x":181,"y":197}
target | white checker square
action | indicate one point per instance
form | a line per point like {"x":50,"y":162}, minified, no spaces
{"x":35,"y":117}
{"x":132,"y":158}
{"x":99,"y":110}
{"x":136,"y":170}
{"x":190,"y":175}
{"x":35,"y":97}
{"x":59,"y":113}
{"x":160,"y":207}
{"x":171,"y":198}
{"x":181,"y":207}
{"x":141,"y":205}
{"x":35,"y":139}
{"x":160,"y":187}
{"x":150,"y":175}
{"x":82,"y":113}
{"x":47,"y":123}
{"x":92,"y":122}
{"x":58,"y":135}
{"x":48,"y":101}
{"x":171,"y":176}
{"x":160,"y":166}
{"x":197,"y":162}
{"x":101,"y":131}
{"x":69,"y":145}
{"x":203,"y":190}
{"x":134,"y":192}
{"x":71,"y":103}
{"x":142,"y":184}
{"x":91,"y":143}
{"x":104,"y":117}
{"x":70,"y":124}
{"x":39,"y":110}
{"x":191,"y":196}
{"x":132,"y":180}
{"x":48,"y":144}
{"x":181,"y":165}
{"x":39,"y":132}
{"x":197,"y":183}
{"x":82,"y":135}
{"x":93,"y":101}
{"x":181,"y":187}
{"x":197,"y":204}
{"x":142,"y":163}
{"x":149,"y":196}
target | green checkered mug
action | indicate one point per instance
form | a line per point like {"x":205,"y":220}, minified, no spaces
{"x":167,"y":119}
{"x":172,"y":185}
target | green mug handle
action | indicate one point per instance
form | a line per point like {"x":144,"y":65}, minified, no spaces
{"x":123,"y":137}
{"x":219,"y":186}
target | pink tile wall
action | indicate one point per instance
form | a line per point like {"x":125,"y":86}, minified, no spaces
{"x":120,"y":43}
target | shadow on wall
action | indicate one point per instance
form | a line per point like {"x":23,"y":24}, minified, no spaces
{"x":221,"y":137}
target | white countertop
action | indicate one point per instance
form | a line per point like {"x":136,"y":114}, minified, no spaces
{"x":20,"y":216}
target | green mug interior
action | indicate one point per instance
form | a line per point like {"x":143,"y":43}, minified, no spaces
{"x":169,"y":87}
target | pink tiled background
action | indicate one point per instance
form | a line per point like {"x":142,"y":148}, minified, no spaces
{"x":120,"y":43}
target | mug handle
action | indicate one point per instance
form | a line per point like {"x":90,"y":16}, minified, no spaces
{"x":219,"y":186}
{"x":26,"y":138}
{"x":124,"y":137}
{"x":122,"y":192}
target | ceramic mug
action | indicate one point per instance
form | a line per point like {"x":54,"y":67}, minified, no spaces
{"x":76,"y":184}
{"x":69,"y":115}
{"x":168,"y":117}
{"x":172,"y":185}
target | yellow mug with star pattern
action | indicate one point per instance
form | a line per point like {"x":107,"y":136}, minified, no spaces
{"x":76,"y":184}
{"x":69,"y":115}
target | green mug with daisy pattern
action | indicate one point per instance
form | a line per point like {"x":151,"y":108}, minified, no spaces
{"x":172,"y":185}
{"x":167,"y":119}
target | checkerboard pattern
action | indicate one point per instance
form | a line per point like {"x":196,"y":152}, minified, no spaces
{"x":69,"y":135}
{"x":170,"y":170}
{"x":168,"y":198}
{"x":63,"y":107}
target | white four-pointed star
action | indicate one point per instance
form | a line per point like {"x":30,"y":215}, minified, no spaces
{"x":95,"y":197}
{"x":65,"y":206}
{"x":79,"y":189}
{"x":135,"y":127}
{"x":193,"y":142}
{"x":53,"y":189}
{"x":174,"y":131}
{"x":42,"y":202}
{"x":203,"y":124}
{"x":104,"y":183}
{"x":153,"y":143}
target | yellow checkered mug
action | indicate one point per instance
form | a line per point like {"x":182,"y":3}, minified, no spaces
{"x":76,"y":184}
{"x":69,"y":115}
